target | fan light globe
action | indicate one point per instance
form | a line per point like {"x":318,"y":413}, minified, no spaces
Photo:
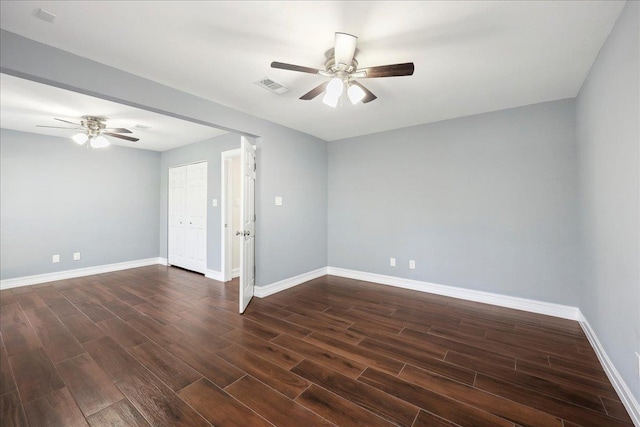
{"x":331,"y":101}
{"x":80,"y":138}
{"x":333,"y":92}
{"x":356,"y":94}
{"x":99,"y":142}
{"x":335,"y":87}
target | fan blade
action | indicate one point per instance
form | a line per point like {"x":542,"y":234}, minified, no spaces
{"x":115,"y":135}
{"x":344,"y":50}
{"x":314,"y":92}
{"x":118,"y":130}
{"x":292,"y":67}
{"x":67,"y":121}
{"x":369,"y":96}
{"x":58,"y":127}
{"x":405,"y":69}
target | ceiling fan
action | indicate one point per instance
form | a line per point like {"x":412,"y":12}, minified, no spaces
{"x":92,"y":129}
{"x":342,"y":66}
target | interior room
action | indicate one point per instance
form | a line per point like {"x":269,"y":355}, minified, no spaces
{"x":321,"y":213}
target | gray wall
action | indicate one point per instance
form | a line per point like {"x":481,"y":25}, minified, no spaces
{"x":208,"y":151}
{"x":486,"y":202}
{"x":60,"y":198}
{"x":608,"y":131}
{"x":293,"y":237}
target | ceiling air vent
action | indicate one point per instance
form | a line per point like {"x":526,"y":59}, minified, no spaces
{"x":272,"y":85}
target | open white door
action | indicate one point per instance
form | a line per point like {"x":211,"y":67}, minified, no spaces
{"x":248,"y":221}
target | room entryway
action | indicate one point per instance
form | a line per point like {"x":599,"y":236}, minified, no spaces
{"x":238,"y":218}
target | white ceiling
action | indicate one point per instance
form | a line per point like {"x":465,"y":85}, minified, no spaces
{"x":470,"y":56}
{"x":25,"y":104}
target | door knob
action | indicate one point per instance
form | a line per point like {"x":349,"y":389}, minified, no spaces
{"x":239,"y":233}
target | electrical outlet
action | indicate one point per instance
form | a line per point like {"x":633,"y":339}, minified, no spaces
{"x":76,"y":256}
{"x":214,"y":203}
{"x":412,"y":264}
{"x":278,"y":201}
{"x":55,"y":258}
{"x":392,"y":262}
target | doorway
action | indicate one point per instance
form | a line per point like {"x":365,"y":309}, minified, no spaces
{"x":230,"y":209}
{"x":242,"y":228}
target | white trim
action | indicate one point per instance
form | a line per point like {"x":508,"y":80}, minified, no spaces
{"x":540,"y":307}
{"x":265,"y":291}
{"x":163,"y":261}
{"x":215,"y":275}
{"x":224,"y":190}
{"x":78,"y":272}
{"x":235,"y":273}
{"x":626,"y":397}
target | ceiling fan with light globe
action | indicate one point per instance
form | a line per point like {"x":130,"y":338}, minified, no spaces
{"x":93,"y":129}
{"x":342,"y":68}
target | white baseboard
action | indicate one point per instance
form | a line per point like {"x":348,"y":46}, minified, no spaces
{"x":215,"y":275}
{"x":163,"y":261}
{"x":627,"y":398}
{"x":265,"y":291}
{"x":540,"y":307}
{"x":235,"y":273}
{"x":78,"y":272}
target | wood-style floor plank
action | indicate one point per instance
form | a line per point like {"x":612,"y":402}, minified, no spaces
{"x":156,"y":402}
{"x":376,"y":401}
{"x":433,"y":402}
{"x":121,"y":332}
{"x":11,"y":410}
{"x":273,"y":406}
{"x":62,"y":307}
{"x":35,"y":374}
{"x":112,"y":358}
{"x":266,"y":349}
{"x":570,"y":412}
{"x":59,"y":343}
{"x":321,"y":355}
{"x":425,"y":419}
{"x":90,"y":386}
{"x":171,"y":370}
{"x":121,"y":413}
{"x":217,"y":370}
{"x":7,"y":381}
{"x":55,"y":409}
{"x":159,"y":345}
{"x":504,"y":408}
{"x":339,"y":410}
{"x":269,"y":373}
{"x":218,"y":407}
{"x":82,"y":328}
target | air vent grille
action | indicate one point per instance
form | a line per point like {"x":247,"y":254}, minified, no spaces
{"x":272,"y":85}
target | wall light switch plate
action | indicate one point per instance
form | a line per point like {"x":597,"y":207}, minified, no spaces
{"x":214,"y":203}
{"x":392,"y":262}
{"x":412,"y":264}
{"x":76,"y":256}
{"x":278,"y":201}
{"x":55,"y":258}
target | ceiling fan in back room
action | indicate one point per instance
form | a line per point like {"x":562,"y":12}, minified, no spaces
{"x":93,"y":129}
{"x":341,"y":67}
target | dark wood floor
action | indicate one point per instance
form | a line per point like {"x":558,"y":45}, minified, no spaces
{"x":161,"y":346}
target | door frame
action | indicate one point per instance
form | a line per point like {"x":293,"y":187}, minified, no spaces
{"x":225,"y":214}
